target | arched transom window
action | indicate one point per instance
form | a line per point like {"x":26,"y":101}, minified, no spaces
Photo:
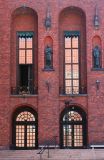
{"x":25,"y":116}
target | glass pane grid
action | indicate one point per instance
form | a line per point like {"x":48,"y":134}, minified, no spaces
{"x":25,"y":50}
{"x":28,"y":42}
{"x":31,"y":136}
{"x":25,"y":130}
{"x":19,"y":136}
{"x":74,"y":42}
{"x":78,"y":135}
{"x":67,"y":138}
{"x":72,"y":116}
{"x":71,"y":65}
{"x":25,"y":116}
{"x":29,"y":57}
{"x":21,"y":42}
{"x":22,"y":57}
{"x":72,"y":133}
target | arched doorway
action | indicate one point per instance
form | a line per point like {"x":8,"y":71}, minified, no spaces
{"x":73,"y":128}
{"x":25,"y":129}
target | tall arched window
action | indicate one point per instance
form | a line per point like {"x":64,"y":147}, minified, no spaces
{"x":73,"y":51}
{"x":25,"y":129}
{"x":73,"y":128}
{"x":24,"y":51}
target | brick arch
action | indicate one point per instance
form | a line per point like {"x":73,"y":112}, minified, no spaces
{"x":78,"y":9}
{"x":24,"y":105}
{"x":23,"y":10}
{"x":76,"y":107}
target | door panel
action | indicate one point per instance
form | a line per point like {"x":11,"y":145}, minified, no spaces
{"x":20,"y":136}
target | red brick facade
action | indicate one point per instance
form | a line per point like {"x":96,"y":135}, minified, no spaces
{"x":29,"y":15}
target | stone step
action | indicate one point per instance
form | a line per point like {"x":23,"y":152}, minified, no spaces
{"x":54,"y":154}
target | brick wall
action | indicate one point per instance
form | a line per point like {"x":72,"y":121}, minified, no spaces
{"x":49,"y":104}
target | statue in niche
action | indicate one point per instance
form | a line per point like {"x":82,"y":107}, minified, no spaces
{"x":48,"y":57}
{"x":96,"y":57}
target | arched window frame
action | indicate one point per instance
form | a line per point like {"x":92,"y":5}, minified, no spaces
{"x":15,"y":115}
{"x":81,"y":112}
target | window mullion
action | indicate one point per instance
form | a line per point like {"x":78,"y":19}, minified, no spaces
{"x":71,"y":66}
{"x":25,"y":49}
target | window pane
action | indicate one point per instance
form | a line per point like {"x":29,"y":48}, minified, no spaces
{"x":67,"y":42}
{"x":75,"y":71}
{"x":68,"y":56}
{"x":68,"y":82}
{"x":68,"y":90}
{"x":21,"y":56}
{"x":29,"y":42}
{"x":75,"y":90}
{"x":68,"y":71}
{"x":29,"y":57}
{"x":75,"y":42}
{"x":75,"y":82}
{"x":21,"y":42}
{"x":75,"y":55}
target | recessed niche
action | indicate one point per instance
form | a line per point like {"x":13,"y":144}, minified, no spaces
{"x":48,"y":54}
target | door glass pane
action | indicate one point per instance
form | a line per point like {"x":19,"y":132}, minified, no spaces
{"x":67,"y":135}
{"x":78,"y":136}
{"x":31,"y":136}
{"x":20,"y":136}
